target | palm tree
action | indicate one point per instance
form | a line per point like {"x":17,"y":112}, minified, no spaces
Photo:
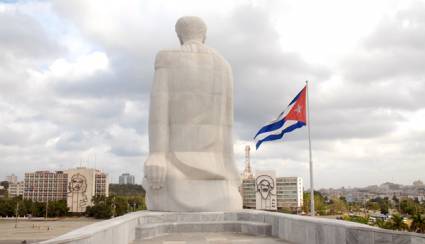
{"x":418,"y":223}
{"x":397,"y":223}
{"x":383,"y":224}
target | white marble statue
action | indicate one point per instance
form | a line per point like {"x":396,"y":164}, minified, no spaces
{"x":191,"y":163}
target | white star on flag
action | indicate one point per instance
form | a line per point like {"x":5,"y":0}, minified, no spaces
{"x":298,"y":109}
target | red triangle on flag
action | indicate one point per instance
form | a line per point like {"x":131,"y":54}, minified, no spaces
{"x":298,"y":110}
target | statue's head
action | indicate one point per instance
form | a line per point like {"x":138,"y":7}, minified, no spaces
{"x":191,"y":28}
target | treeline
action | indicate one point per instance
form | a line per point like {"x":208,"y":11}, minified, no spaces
{"x":5,"y":186}
{"x":334,"y":206}
{"x":103,"y":207}
{"x":126,"y":190}
{"x":8,"y":207}
{"x":395,"y":222}
{"x":406,"y":214}
{"x":112,"y":206}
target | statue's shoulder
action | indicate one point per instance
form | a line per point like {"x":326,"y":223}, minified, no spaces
{"x":165,"y":57}
{"x":220,"y":57}
{"x":167,"y":53}
{"x":171,"y":57}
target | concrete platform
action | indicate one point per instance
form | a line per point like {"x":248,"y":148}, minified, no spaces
{"x":143,"y":226}
{"x":148,"y":231}
{"x":210,"y":238}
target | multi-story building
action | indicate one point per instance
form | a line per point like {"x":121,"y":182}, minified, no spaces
{"x":12,"y":178}
{"x":83,"y":185}
{"x":125,"y":179}
{"x":76,"y":186}
{"x":289,"y":192}
{"x":42,"y":186}
{"x":248,"y":193}
{"x":102,"y":185}
{"x":16,"y":189}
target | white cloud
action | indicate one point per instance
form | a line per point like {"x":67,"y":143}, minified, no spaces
{"x":76,"y":78}
{"x":73,"y":70}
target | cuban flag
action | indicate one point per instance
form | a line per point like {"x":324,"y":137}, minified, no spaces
{"x":292,"y":118}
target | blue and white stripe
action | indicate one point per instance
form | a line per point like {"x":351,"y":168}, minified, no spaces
{"x":277,"y":128}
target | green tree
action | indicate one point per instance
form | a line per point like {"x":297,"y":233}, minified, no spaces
{"x":136,"y":202}
{"x":101,"y":209}
{"x":409,"y":206}
{"x":372,"y":205}
{"x":383,"y":224}
{"x":418,"y":224}
{"x":319,"y":203}
{"x":126,"y":190}
{"x":7,"y":207}
{"x":338,"y":206}
{"x":58,"y":208}
{"x":384,"y":208}
{"x":381,"y":204}
{"x":358,"y":219}
{"x":5,"y":184}
{"x":121,"y":205}
{"x":397,"y":223}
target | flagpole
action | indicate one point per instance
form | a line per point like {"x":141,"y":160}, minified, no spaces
{"x":310,"y":157}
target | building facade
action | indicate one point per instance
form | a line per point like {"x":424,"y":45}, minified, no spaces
{"x":289,"y":193}
{"x":248,"y":193}
{"x":247,"y":188}
{"x":125,"y":179}
{"x":16,"y":189}
{"x":76,"y":186}
{"x":286,"y":192}
{"x":83,"y":185}
{"x":42,"y":186}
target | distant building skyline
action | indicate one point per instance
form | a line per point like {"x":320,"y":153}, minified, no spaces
{"x":16,"y":189}
{"x":126,"y":178}
{"x":12,"y":178}
{"x":385,"y":190}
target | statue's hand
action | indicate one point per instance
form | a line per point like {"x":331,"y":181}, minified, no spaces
{"x":155,"y":170}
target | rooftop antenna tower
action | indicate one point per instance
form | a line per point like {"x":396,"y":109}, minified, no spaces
{"x":247,"y":173}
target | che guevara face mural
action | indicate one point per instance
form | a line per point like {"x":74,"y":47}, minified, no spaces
{"x":77,"y":188}
{"x":78,"y":183}
{"x":265,"y":184}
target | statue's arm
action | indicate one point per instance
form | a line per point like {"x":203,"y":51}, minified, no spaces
{"x":158,"y":111}
{"x":229,"y":95}
{"x":156,"y":163}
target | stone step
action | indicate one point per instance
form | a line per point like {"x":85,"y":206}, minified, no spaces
{"x":147,"y":231}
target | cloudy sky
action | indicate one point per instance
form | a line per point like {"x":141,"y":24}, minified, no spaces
{"x":75,"y":78}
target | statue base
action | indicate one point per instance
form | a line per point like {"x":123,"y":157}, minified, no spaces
{"x":194,"y":196}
